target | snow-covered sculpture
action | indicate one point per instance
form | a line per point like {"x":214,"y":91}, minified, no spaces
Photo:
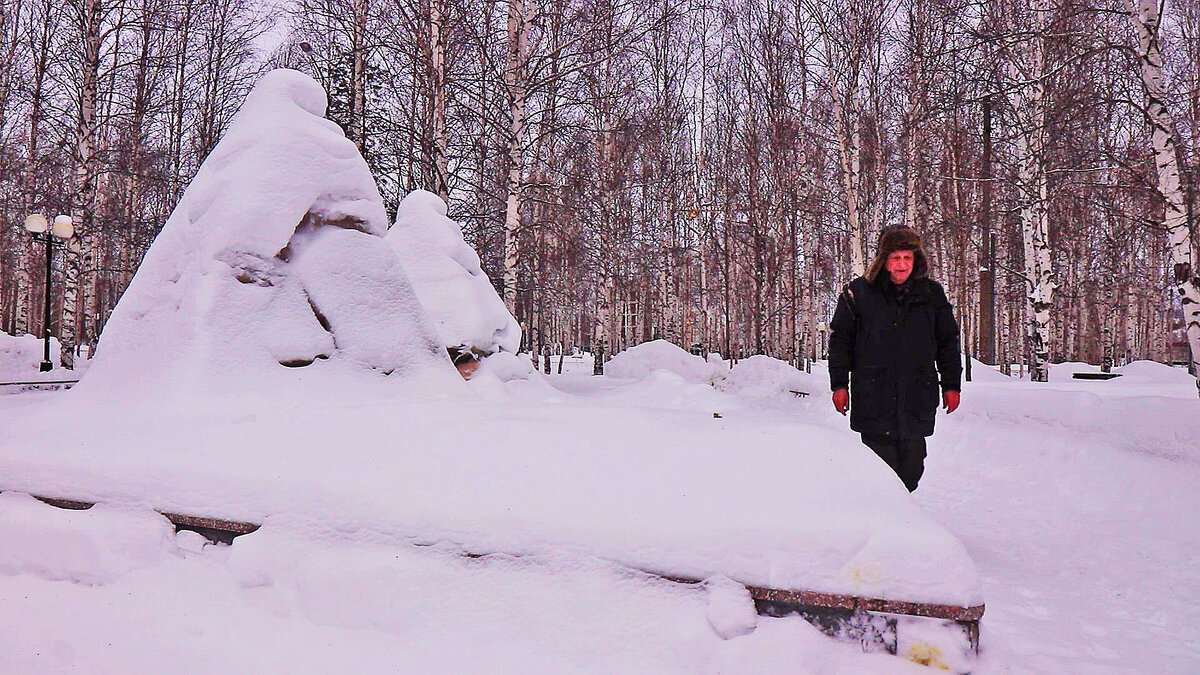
{"x":469,"y":315}
{"x":272,"y":272}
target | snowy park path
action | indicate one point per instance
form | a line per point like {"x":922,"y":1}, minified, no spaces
{"x":1086,"y":550}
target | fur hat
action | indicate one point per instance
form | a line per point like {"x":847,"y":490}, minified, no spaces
{"x":900,"y":239}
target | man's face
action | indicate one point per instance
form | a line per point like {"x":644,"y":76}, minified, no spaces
{"x":900,"y":265}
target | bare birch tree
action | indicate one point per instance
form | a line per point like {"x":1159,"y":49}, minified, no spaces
{"x":1146,"y":17}
{"x":1027,"y":71}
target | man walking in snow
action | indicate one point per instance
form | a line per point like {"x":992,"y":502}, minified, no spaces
{"x":890,"y":329}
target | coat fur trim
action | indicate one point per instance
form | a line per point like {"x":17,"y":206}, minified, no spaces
{"x":900,"y":239}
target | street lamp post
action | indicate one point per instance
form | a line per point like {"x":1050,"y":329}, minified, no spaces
{"x":61,"y":229}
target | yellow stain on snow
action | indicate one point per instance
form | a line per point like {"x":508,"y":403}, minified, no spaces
{"x":926,"y":655}
{"x":866,"y":575}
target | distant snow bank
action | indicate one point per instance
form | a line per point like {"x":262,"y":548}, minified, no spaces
{"x":1152,"y":371}
{"x":21,"y":360}
{"x":766,"y":377}
{"x":982,"y":372}
{"x":1156,"y":400}
{"x":21,"y":355}
{"x":641,"y":360}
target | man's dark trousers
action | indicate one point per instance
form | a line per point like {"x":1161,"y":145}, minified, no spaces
{"x":906,"y":456}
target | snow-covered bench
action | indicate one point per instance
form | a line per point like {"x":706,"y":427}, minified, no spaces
{"x":871,"y":621}
{"x":793,"y":512}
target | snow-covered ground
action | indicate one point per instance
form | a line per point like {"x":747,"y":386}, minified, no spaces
{"x":1073,"y":498}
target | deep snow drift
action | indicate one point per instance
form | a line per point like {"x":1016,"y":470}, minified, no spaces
{"x":1069,"y":495}
{"x":448,"y":280}
{"x":524,"y":475}
{"x":114,"y":590}
{"x":271,"y":277}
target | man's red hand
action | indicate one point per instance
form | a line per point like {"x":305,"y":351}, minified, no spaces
{"x":841,"y":400}
{"x":950,"y":400}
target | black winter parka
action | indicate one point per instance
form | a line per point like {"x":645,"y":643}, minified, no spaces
{"x":884,"y":343}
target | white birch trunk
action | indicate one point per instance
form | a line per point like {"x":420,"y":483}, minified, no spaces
{"x":86,"y":177}
{"x":358,"y":77}
{"x":179,"y":101}
{"x":917,"y":195}
{"x":24,"y":287}
{"x":879,"y":201}
{"x":605,"y":342}
{"x":910,"y":180}
{"x":1106,"y":333}
{"x":849,"y":149}
{"x":1128,"y":309}
{"x":515,"y":81}
{"x":437,"y":47}
{"x":1146,"y":20}
{"x":69,"y":324}
{"x":703,"y":321}
{"x":1030,"y":109}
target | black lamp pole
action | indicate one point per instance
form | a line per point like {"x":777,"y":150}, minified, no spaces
{"x":42,"y":231}
{"x":46,"y":364}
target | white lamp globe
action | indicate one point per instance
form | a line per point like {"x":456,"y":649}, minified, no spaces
{"x":63,"y":228}
{"x":36,"y":223}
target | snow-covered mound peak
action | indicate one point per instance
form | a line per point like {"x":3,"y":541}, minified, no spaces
{"x":282,"y":87}
{"x":417,"y":204}
{"x":640,"y":360}
{"x":271,"y":275}
{"x":448,"y":278}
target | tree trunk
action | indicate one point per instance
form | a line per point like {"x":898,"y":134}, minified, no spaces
{"x":437,"y":48}
{"x":515,"y":77}
{"x":86,"y":171}
{"x":178,"y":100}
{"x":849,"y":152}
{"x":358,"y":77}
{"x":1146,"y":20}
{"x":1030,"y":109}
{"x":987,"y":271}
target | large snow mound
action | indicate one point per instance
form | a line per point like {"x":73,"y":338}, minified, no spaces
{"x":271,"y":276}
{"x":641,"y":360}
{"x":448,"y":279}
{"x":764,"y":500}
